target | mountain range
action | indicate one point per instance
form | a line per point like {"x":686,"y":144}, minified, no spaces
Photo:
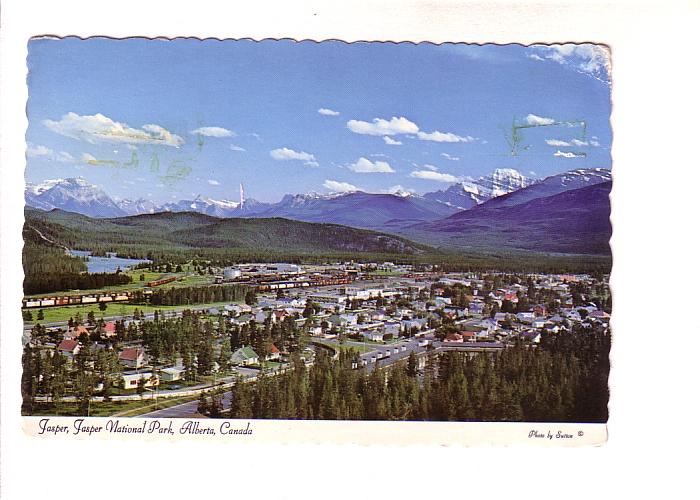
{"x":358,"y":208}
{"x":191,"y":230}
{"x":502,"y":210}
{"x":571,"y":221}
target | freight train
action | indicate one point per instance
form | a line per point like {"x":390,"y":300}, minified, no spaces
{"x":162,"y":281}
{"x":261,"y":285}
{"x":71,"y":300}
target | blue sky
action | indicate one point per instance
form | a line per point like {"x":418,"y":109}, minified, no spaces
{"x":169,"y":120}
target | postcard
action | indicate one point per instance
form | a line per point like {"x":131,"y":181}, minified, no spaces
{"x":222,"y":236}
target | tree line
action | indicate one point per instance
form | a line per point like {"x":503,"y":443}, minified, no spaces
{"x":565,"y":380}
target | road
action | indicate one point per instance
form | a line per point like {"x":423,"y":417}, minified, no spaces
{"x":184,"y":410}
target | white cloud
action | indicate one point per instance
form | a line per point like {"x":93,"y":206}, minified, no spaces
{"x":213,"y":182}
{"x":283,"y":154}
{"x":233,"y":147}
{"x":572,"y":142}
{"x":327,"y":112}
{"x":87,"y":158}
{"x":365,"y":166}
{"x":590,"y":59}
{"x":95,"y":128}
{"x":430,"y":167}
{"x":443,"y":137}
{"x":65,"y":157}
{"x":451,"y":158}
{"x":569,"y":154}
{"x":401,"y":125}
{"x":434,"y":176}
{"x":213,"y":132}
{"x":556,"y":142}
{"x":339,"y":187}
{"x":538,"y":120}
{"x":379,"y":126}
{"x":35,"y":150}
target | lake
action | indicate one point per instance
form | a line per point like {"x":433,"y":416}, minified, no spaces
{"x":107,"y":264}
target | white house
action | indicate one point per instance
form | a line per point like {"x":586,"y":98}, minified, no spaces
{"x":172,"y":373}
{"x":244,"y":356}
{"x":373,"y":335}
{"x":131,"y":380}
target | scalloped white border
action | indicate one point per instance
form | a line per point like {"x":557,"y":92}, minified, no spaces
{"x":653,"y":49}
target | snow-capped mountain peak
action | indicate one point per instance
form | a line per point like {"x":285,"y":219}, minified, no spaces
{"x":73,"y":195}
{"x":466,"y":194}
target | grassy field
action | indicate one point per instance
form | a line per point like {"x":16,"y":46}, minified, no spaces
{"x":346,"y":347}
{"x":57,"y":314}
{"x":107,"y":409}
{"x":183,"y":280}
{"x":134,"y":285}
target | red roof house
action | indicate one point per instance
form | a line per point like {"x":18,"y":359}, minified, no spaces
{"x":454,"y":338}
{"x":133,"y":357}
{"x":69,"y":348}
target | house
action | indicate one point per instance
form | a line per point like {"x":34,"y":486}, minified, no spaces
{"x":133,"y":357}
{"x":279,"y":315}
{"x":443,"y":301}
{"x":419,"y":305}
{"x":131,"y":380}
{"x":172,"y":373}
{"x":599,"y":315}
{"x":499,"y":316}
{"x":526,"y":317}
{"x":243,"y":319}
{"x":468,"y":336}
{"x":76,"y":332}
{"x":378,"y":315}
{"x":453,"y":338}
{"x":540,"y":310}
{"x":573,"y":315}
{"x":373,"y":335}
{"x":291,"y":302}
{"x":476,"y":307}
{"x":69,"y":348}
{"x":539,"y":323}
{"x":455,"y":312}
{"x":392,"y":327}
{"x":109,"y":329}
{"x":531,"y":336}
{"x":244,"y":356}
{"x":350,"y":319}
{"x":417,"y":323}
{"x":235,"y":309}
{"x":337,"y":320}
{"x":274,"y":353}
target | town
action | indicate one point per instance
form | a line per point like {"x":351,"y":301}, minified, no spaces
{"x":184,"y":361}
